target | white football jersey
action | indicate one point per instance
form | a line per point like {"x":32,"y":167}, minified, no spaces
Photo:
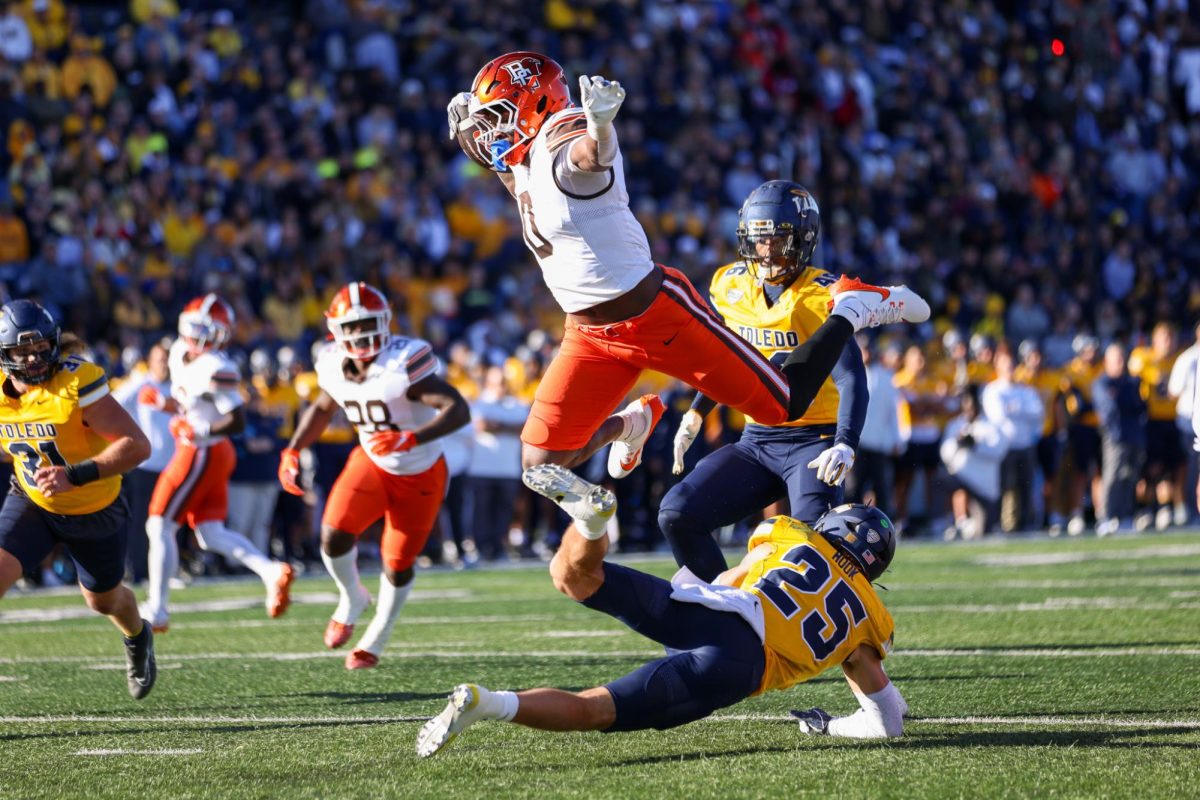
{"x":380,"y":401}
{"x":590,"y":246}
{"x":206,"y":388}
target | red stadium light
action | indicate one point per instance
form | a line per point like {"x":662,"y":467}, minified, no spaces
{"x":1058,"y":48}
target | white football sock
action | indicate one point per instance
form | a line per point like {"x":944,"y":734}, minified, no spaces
{"x":354,"y":596}
{"x":216,"y":538}
{"x":162,"y":561}
{"x":498,"y":705}
{"x":633,"y":421}
{"x":387,"y":611}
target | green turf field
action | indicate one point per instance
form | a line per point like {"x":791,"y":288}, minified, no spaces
{"x":1066,"y":668}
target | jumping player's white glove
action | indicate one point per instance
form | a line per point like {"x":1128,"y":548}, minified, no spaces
{"x":833,"y":464}
{"x":689,"y":429}
{"x":813,"y":721}
{"x":601,"y":99}
{"x":457,"y":111}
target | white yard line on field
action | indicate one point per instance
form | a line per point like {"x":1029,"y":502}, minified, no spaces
{"x":1049,"y":604}
{"x":58,"y":719}
{"x":95,"y":662}
{"x":181,"y":752}
{"x":1036,"y":722}
{"x":1163,"y":551}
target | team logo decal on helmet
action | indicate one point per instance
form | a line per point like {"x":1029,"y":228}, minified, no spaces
{"x":524,"y":71}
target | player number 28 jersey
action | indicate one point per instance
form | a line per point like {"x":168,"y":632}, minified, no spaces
{"x":589,"y":245}
{"x":778,"y":329}
{"x":206,"y":387}
{"x":44,"y":427}
{"x":380,"y":401}
{"x":816,"y":612}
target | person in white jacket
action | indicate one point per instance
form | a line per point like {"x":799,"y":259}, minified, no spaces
{"x":1182,"y":384}
{"x":972,"y":450}
{"x":1017,"y":410}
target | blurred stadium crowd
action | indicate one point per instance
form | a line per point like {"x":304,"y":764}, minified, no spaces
{"x":1031,"y":166}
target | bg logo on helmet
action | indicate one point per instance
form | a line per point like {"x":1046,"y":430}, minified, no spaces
{"x":524,"y":71}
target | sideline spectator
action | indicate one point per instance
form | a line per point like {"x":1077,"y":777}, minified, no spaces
{"x":1122,"y":411}
{"x":495,"y":470}
{"x":1016,"y":409}
{"x":972,"y":451}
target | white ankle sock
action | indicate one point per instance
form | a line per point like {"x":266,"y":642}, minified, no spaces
{"x":498,"y":705}
{"x":216,"y":538}
{"x":162,"y":561}
{"x":344,"y":571}
{"x":387,"y":611}
{"x":593,"y":528}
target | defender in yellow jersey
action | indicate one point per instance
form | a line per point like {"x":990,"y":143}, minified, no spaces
{"x":70,"y":442}
{"x":800,"y":602}
{"x":775,"y":300}
{"x":1165,"y":467}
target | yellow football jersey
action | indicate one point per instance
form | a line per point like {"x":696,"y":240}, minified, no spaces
{"x":817,"y":606}
{"x":44,"y":427}
{"x":1048,"y":383}
{"x":1081,"y":375}
{"x":280,"y":400}
{"x":778,"y":329}
{"x":1154,"y":373}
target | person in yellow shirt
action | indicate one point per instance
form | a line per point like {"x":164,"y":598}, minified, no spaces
{"x":70,"y":441}
{"x":924,"y":409}
{"x":1165,"y":460}
{"x":1034,"y":372}
{"x":799,"y":603}
{"x":1082,"y":464}
{"x":87,"y":69}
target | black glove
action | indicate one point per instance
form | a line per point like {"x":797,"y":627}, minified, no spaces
{"x":814,"y":721}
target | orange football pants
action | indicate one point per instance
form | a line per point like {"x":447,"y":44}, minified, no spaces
{"x":408,"y":504}
{"x":679,"y":335}
{"x":194,"y":487}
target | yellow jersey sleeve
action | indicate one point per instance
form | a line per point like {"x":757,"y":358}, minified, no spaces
{"x":44,"y":427}
{"x":817,"y":606}
{"x":776,"y":329}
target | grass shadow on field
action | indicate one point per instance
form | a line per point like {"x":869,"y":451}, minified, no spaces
{"x":702,"y":755}
{"x":355,"y":698}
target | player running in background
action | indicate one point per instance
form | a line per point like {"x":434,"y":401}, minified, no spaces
{"x":624,"y":312}
{"x":774,"y":299}
{"x":391,"y":392}
{"x":800,"y":602}
{"x":194,"y":487}
{"x":70,"y":441}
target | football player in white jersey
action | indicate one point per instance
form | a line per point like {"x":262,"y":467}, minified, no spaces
{"x":624,"y":312}
{"x":194,"y":487}
{"x":390,"y":390}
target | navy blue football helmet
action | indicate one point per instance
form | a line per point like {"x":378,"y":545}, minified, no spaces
{"x":23,"y":323}
{"x":862,"y":532}
{"x":785,"y":218}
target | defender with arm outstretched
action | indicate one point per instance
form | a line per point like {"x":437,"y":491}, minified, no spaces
{"x":775,"y":299}
{"x":800,"y":602}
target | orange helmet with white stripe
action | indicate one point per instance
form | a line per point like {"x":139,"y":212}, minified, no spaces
{"x":511,"y":98}
{"x":206,"y":323}
{"x":359,"y":320}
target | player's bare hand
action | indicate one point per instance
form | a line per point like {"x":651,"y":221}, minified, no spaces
{"x":384,"y":442}
{"x":834,"y":464}
{"x":52,"y":480}
{"x":689,"y":429}
{"x":289,"y":471}
{"x":601,"y":99}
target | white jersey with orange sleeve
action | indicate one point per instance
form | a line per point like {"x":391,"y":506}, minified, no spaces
{"x":380,"y":401}
{"x":206,"y":387}
{"x":590,"y":246}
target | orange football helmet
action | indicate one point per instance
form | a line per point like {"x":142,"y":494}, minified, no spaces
{"x":511,"y":98}
{"x":359,"y":320}
{"x":206,"y":323}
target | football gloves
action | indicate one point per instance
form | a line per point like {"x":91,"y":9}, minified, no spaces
{"x":457,"y":111}
{"x":289,"y":471}
{"x":601,"y":99}
{"x":385,"y":442}
{"x":149,"y":396}
{"x":814,"y":721}
{"x":689,"y":429}
{"x":833,"y":464}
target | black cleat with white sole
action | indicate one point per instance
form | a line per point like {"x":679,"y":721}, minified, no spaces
{"x":141,"y":670}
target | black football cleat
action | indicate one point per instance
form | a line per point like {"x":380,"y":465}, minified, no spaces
{"x":139,"y":656}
